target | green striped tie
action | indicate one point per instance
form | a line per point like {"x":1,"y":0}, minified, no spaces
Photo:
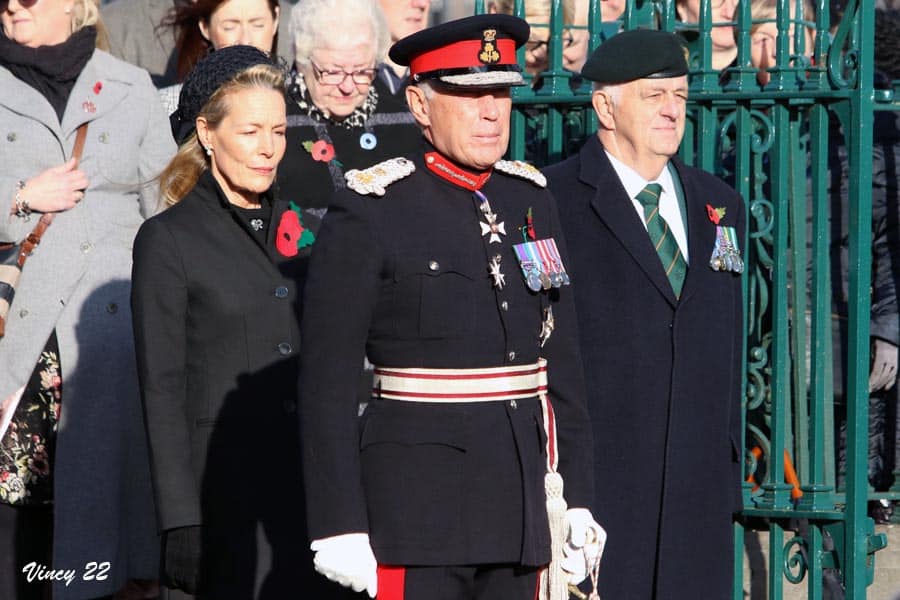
{"x":666,"y":246}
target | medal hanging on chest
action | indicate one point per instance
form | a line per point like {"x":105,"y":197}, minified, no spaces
{"x":726,"y":256}
{"x":489,"y":226}
{"x":541,"y":264}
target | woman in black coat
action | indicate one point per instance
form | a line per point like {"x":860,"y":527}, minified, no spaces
{"x":217,"y":282}
{"x":340,"y":117}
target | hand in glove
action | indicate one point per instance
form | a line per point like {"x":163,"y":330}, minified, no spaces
{"x":348,"y":560}
{"x":884,"y":366}
{"x":182,"y":548}
{"x":584,"y":544}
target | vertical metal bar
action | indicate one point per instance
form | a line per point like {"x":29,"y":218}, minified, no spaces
{"x":776,"y":559}
{"x":816,"y":491}
{"x":776,"y":492}
{"x":859,"y":150}
{"x":799,"y":268}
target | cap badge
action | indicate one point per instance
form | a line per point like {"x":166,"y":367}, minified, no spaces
{"x":489,"y":53}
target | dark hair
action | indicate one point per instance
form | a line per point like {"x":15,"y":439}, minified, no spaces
{"x":191,"y":46}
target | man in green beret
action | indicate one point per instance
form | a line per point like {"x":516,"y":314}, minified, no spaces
{"x":655,"y":258}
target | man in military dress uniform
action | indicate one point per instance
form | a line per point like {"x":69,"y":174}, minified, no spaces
{"x":655,"y":245}
{"x":447,"y":270}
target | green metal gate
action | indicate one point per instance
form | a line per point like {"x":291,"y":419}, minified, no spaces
{"x":772,"y":144}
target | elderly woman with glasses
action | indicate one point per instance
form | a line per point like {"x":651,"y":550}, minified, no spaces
{"x":340,"y":117}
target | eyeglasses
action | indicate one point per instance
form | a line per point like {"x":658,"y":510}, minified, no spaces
{"x":533,"y":45}
{"x":337,"y":77}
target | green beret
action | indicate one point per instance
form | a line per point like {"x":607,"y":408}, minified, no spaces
{"x":636,"y":54}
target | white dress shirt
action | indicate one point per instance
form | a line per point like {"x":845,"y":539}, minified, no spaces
{"x":668,"y":200}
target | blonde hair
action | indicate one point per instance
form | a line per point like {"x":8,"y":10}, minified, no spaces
{"x":181,"y":174}
{"x":86,"y":13}
{"x":766,"y":10}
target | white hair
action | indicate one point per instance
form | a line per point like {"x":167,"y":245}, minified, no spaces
{"x":313,"y":21}
{"x":613,"y":90}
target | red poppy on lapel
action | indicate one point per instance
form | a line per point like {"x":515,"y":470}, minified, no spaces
{"x":288,"y":233}
{"x":322,"y":151}
{"x":97,"y":87}
{"x":715,"y":214}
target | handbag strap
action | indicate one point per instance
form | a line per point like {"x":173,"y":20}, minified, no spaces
{"x":34,"y":238}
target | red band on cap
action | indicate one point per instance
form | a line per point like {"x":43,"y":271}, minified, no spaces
{"x":461,"y":54}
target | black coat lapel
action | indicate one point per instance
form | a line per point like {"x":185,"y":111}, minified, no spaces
{"x":615,"y":209}
{"x":701,"y":232}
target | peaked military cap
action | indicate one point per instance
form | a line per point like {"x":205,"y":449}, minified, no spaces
{"x":205,"y":78}
{"x":473,"y":52}
{"x":636,"y":54}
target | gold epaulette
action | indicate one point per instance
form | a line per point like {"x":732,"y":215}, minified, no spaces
{"x":376,"y":178}
{"x":520,"y":168}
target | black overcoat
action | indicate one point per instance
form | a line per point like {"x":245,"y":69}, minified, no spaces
{"x":216,"y":319}
{"x":663,"y":380}
{"x":404,"y":279}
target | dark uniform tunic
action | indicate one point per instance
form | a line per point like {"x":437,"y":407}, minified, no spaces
{"x":404,"y":279}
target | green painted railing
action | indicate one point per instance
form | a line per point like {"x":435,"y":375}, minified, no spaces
{"x":771,"y":143}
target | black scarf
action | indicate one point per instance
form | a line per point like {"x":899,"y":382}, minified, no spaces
{"x":51,"y":70}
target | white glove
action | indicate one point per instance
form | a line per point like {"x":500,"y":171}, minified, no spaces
{"x":584,"y":544}
{"x":348,"y":560}
{"x":884,"y":366}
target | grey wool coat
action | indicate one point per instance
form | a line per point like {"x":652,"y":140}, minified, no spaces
{"x":78,"y":282}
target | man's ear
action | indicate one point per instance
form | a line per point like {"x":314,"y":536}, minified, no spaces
{"x":418,"y":105}
{"x":603,"y":106}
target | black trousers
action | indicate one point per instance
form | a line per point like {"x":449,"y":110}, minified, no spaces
{"x":26,"y":536}
{"x":486,"y":582}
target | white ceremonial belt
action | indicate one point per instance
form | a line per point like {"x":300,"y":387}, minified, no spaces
{"x":461,"y":385}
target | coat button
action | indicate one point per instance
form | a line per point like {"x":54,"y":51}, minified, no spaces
{"x":86,"y":247}
{"x":434,"y":265}
{"x":112,"y":308}
{"x":504,"y":305}
{"x":23,"y":313}
{"x":284,"y":348}
{"x":290,"y":406}
{"x":281,"y":292}
{"x":11,"y":136}
{"x":511,"y":355}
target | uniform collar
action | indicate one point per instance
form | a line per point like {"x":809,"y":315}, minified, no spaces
{"x":447,"y":170}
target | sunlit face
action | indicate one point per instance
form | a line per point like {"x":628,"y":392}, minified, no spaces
{"x":36,"y":23}
{"x":610,"y":10}
{"x":246,"y":22}
{"x":469,"y":127}
{"x":537,"y":47}
{"x":763,"y":47}
{"x":354,"y":51}
{"x":723,"y":11}
{"x":247,"y":144}
{"x":405,"y":17}
{"x":647,"y":119}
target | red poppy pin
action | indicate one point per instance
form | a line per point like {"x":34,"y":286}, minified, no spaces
{"x":320,"y":150}
{"x":97,"y":87}
{"x":715,"y":214}
{"x":291,"y":235}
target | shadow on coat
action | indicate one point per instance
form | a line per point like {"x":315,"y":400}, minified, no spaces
{"x":255,"y":542}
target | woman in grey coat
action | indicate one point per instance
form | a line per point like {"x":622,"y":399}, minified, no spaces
{"x":73,"y":458}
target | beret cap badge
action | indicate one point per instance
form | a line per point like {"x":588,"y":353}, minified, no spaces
{"x":489,"y":53}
